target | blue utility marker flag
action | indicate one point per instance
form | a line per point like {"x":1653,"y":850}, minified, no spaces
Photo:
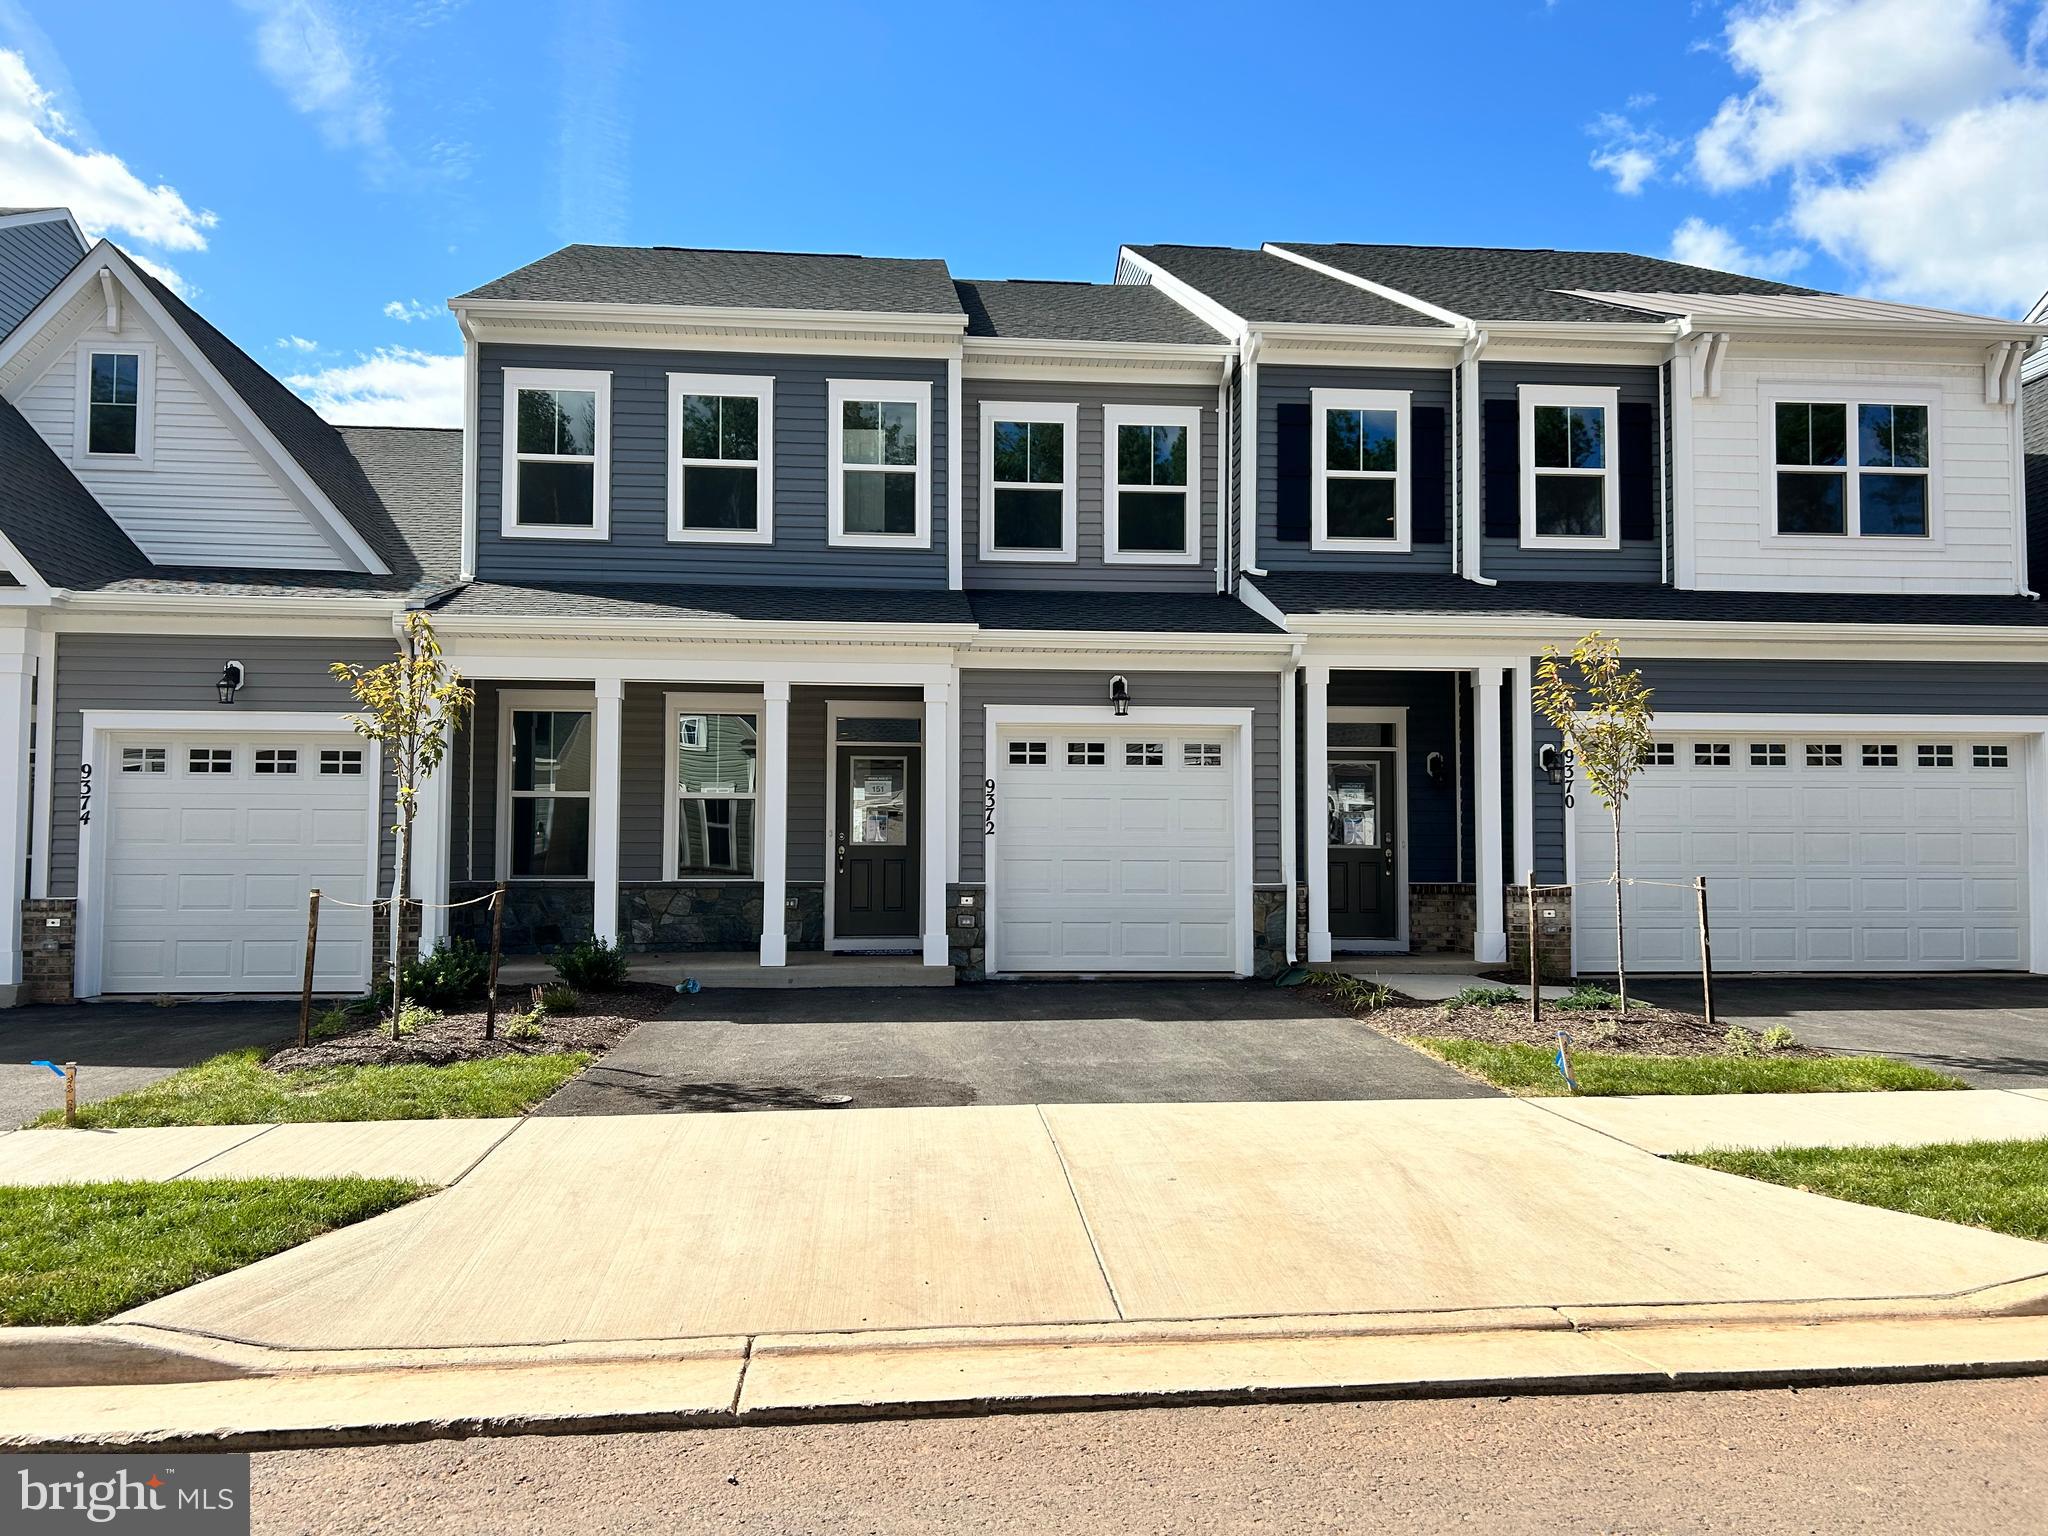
{"x":1564,"y":1062}
{"x":50,"y":1064}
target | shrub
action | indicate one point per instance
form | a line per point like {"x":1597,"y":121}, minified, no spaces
{"x":335,"y":1021}
{"x":1740,"y":1042}
{"x":1589,"y":994}
{"x":1779,"y":1038}
{"x":1362,"y":996}
{"x":1482,"y":997}
{"x":556,"y":997}
{"x":593,"y":966}
{"x":525,"y":1026}
{"x":411,"y":1018}
{"x":455,"y":972}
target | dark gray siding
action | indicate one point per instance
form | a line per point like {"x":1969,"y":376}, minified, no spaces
{"x":1807,"y":687}
{"x":1504,"y":559}
{"x":639,"y":549}
{"x":1256,"y":691}
{"x":177,"y":672}
{"x":1088,"y":568}
{"x":33,"y":258}
{"x":1434,"y":701}
{"x":1292,"y":385}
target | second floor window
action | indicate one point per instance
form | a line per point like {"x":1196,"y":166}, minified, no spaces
{"x":558,"y":451}
{"x":1359,"y":463}
{"x":1570,"y":492}
{"x":1027,"y":481}
{"x":880,"y":458}
{"x":1153,"y":498}
{"x":1852,"y":469}
{"x":113,"y":409}
{"x":721,"y":477}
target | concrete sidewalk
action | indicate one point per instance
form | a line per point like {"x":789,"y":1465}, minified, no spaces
{"x":428,"y":1151}
{"x":1670,"y":1123}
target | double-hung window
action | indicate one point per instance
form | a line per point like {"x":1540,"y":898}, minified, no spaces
{"x":1852,"y":468}
{"x":557,"y":472}
{"x":547,"y":773}
{"x":114,"y":404}
{"x":1360,"y":470}
{"x":1027,"y":480}
{"x":879,"y":462}
{"x":721,"y":475}
{"x":1571,"y":493}
{"x":714,"y":750}
{"x":1153,"y":497}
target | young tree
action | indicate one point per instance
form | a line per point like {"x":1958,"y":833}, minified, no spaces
{"x":1602,"y":710}
{"x":409,"y":707}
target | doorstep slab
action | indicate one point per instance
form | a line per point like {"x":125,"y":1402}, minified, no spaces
{"x":57,"y":1156}
{"x":424,"y":1151}
{"x":1669,"y":1123}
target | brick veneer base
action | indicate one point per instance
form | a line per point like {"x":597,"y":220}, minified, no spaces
{"x":1553,"y":930}
{"x":49,"y":953}
{"x":1440,"y":918}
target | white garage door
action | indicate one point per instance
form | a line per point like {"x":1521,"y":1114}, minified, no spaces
{"x":1822,"y":853}
{"x":211,"y":844}
{"x":1116,"y":850}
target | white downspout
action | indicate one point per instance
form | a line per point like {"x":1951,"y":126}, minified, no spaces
{"x":1472,"y":502}
{"x":1223,"y":469}
{"x":1248,"y":460}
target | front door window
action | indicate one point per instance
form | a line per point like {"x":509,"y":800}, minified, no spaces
{"x":877,"y":796}
{"x":1354,"y":805}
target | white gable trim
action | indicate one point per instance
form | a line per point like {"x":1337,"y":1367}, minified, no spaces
{"x":16,"y":565}
{"x":346,"y":541}
{"x":48,"y":216}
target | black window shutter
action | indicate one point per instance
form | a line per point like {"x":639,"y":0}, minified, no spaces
{"x":1502,"y":424}
{"x":1637,"y":458}
{"x":1291,"y":472}
{"x":1427,"y":483}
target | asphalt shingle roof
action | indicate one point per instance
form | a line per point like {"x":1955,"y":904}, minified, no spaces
{"x":1111,"y":612}
{"x":784,"y":604}
{"x":1267,"y":289}
{"x":1310,"y":594}
{"x":1050,"y":311}
{"x":621,"y":274}
{"x":53,"y":520}
{"x":1497,"y":283}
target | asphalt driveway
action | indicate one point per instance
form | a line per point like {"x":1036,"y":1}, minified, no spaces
{"x":119,"y":1046}
{"x":1991,"y":1031}
{"x":1016,"y":1043}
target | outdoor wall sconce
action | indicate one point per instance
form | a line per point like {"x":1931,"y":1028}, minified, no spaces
{"x":1120,"y":694}
{"x":1551,"y":761}
{"x":1433,"y":766}
{"x":232,"y":676}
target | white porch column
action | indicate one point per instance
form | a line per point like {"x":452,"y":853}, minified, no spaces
{"x":1489,"y":946}
{"x":1315,"y":800}
{"x":1522,"y":765}
{"x":771,"y":837}
{"x":17,"y":709}
{"x":607,"y":758}
{"x":430,"y":854}
{"x":941,"y":799}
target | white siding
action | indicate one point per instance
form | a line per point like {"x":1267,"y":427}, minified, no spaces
{"x":1974,"y":544}
{"x":207,"y":498}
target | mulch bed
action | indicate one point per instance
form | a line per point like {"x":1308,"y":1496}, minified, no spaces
{"x":606,"y":1018}
{"x":1644,"y":1031}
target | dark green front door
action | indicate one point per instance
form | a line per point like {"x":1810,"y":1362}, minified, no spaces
{"x":875,"y":850}
{"x":1364,"y":861}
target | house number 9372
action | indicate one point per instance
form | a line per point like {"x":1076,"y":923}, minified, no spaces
{"x":988,"y":807}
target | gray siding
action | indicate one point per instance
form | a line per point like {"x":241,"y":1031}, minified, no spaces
{"x":1256,"y":691}
{"x":1087,"y":569}
{"x":1504,"y":559}
{"x":1292,"y":385}
{"x":33,"y":259}
{"x":1807,"y":687}
{"x":177,"y":672}
{"x":639,"y":549}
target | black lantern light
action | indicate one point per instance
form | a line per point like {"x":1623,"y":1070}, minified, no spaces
{"x":231,"y":679}
{"x":1551,"y":761}
{"x":1120,"y":695}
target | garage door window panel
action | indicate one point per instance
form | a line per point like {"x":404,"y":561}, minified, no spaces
{"x":210,"y":760}
{"x":144,"y":759}
{"x":549,"y":793}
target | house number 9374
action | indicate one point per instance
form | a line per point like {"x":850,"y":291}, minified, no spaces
{"x":85,"y":794}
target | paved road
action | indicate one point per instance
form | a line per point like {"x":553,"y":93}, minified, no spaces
{"x":119,"y":1046}
{"x":1948,"y":1458}
{"x":1991,"y":1031}
{"x":1017,"y":1043}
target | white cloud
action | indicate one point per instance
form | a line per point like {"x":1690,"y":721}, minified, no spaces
{"x":46,"y":166}
{"x":296,"y":344}
{"x":409,"y":310}
{"x":1700,"y":244}
{"x":1632,"y":154}
{"x":1960,"y":219}
{"x":323,"y":72}
{"x":1837,"y":77}
{"x":393,"y":386}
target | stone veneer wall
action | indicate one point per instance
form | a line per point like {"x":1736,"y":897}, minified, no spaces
{"x":966,"y":911}
{"x":1440,"y":918}
{"x":654,"y":915}
{"x":1269,"y":931}
{"x":48,"y":954}
{"x":1553,"y":930}
{"x":537,"y":916}
{"x":803,"y":925}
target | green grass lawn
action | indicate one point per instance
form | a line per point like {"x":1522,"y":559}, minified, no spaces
{"x":79,"y":1253}
{"x":1530,"y":1069}
{"x":1999,"y":1185}
{"x":234,"y":1089}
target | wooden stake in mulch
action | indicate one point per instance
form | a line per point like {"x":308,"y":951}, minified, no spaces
{"x":1706,"y":952}
{"x":497,"y":948}
{"x":306,"y":984}
{"x":71,"y":1093}
{"x":1535,"y":964}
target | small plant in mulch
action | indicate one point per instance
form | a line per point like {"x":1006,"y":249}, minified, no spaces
{"x":411,"y":1018}
{"x":593,"y":966}
{"x":1775,"y":1041}
{"x":527,"y":1025}
{"x":445,"y":1037}
{"x":1483,"y":997}
{"x":1352,"y":993}
{"x":557,"y":997}
{"x":1588,"y":996}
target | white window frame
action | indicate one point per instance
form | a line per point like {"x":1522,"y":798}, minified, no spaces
{"x":1794,"y":392}
{"x":1322,"y":401}
{"x":532,"y":700}
{"x":144,"y":456}
{"x":1583,"y":397}
{"x":895,"y":391}
{"x":1189,"y":419}
{"x":759,"y":388}
{"x":1066,"y":416}
{"x":517,"y":379}
{"x":677,"y":708}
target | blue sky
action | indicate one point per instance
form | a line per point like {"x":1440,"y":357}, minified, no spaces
{"x":320,"y":174}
